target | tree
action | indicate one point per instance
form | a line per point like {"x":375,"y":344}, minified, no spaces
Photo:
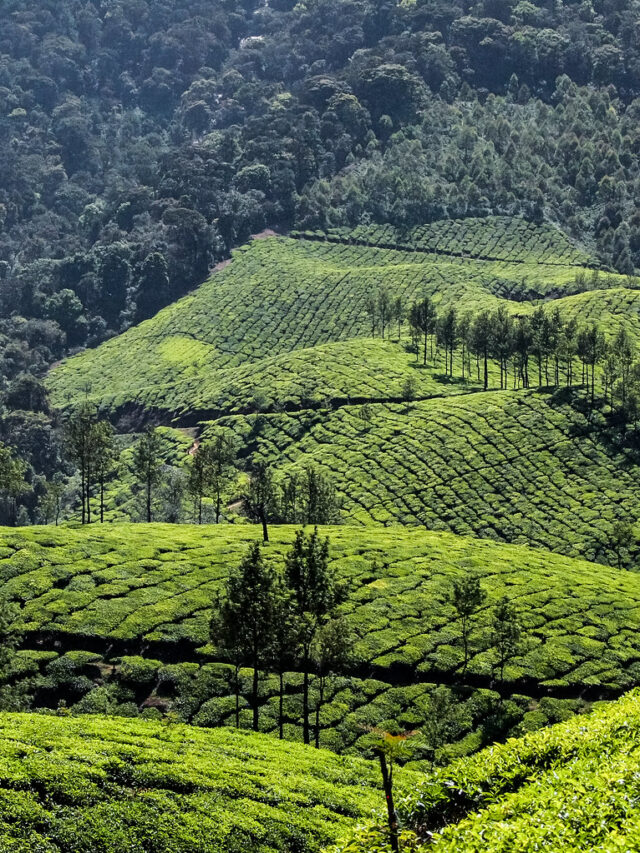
{"x":331,"y":650}
{"x":211,"y":470}
{"x":438,"y":719}
{"x":384,"y":307}
{"x":246,"y":615}
{"x":80,"y":438}
{"x":505,"y":633}
{"x":105,"y":457}
{"x":147,"y":464}
{"x":467,"y":598}
{"x":320,"y":504}
{"x":481,"y":336}
{"x":391,"y":749}
{"x":260,"y":501}
{"x":447,"y":332}
{"x":399,"y":313}
{"x":51,"y":504}
{"x":225,"y":633}
{"x":316,"y":592}
{"x":422,"y":319}
{"x":622,"y":538}
{"x":12,"y":480}
{"x":591,"y":347}
{"x":284,"y":640}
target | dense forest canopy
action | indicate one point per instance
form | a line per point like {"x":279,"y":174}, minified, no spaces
{"x":140,"y":140}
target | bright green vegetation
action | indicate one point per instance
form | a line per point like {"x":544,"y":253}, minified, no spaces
{"x":512,"y":466}
{"x":131,"y":583}
{"x":508,"y":239}
{"x":571,"y":787}
{"x":110,"y":785}
{"x":228,"y":345}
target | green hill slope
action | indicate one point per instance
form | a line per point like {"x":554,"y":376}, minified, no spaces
{"x":280,"y":295}
{"x":572,"y":787}
{"x":113,"y":617}
{"x":514,"y":466}
{"x":117,"y":786}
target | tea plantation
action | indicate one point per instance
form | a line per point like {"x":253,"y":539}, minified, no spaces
{"x":512,"y":466}
{"x":116,"y":619}
{"x":110,"y":785}
{"x":571,"y":787}
{"x":281,"y":295}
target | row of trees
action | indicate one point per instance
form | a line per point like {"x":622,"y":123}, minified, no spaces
{"x":278,"y":619}
{"x":539,"y":348}
{"x":212,"y":475}
{"x":283,"y":619}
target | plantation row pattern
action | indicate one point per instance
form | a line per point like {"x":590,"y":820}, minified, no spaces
{"x":280,"y":295}
{"x":131,"y":590}
{"x":511,"y":466}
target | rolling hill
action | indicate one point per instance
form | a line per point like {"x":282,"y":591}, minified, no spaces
{"x":111,"y":785}
{"x":515,"y":466}
{"x":116,"y":617}
{"x":254,"y":322}
{"x":571,"y":787}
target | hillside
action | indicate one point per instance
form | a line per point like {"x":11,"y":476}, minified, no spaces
{"x":514,"y":466}
{"x":114,"y":785}
{"x":280,"y":296}
{"x":571,"y":787}
{"x":117,"y":618}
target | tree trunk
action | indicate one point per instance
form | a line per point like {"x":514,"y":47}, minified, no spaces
{"x":486,"y":371}
{"x":265,"y":529}
{"x":102,"y":500}
{"x":254,"y":694}
{"x":305,"y":700}
{"x":218,"y":504}
{"x":387,"y":781}
{"x":237,"y":685}
{"x":280,"y":706}
{"x":319,"y":705}
{"x":149,"y":500}
{"x":83,"y":492}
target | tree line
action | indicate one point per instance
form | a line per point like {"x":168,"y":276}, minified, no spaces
{"x":213,"y":473}
{"x":540,"y":348}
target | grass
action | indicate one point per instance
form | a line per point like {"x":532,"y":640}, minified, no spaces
{"x":515,"y":466}
{"x":284,"y":296}
{"x":574,"y":786}
{"x":95,"y":784}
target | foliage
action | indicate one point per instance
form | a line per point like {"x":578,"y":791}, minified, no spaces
{"x":515,"y":466}
{"x":110,"y":784}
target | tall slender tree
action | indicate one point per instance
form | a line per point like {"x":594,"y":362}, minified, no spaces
{"x":147,"y":464}
{"x":245,"y":618}
{"x":313,"y":583}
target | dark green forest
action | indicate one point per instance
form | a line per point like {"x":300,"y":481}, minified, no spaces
{"x":141,"y":140}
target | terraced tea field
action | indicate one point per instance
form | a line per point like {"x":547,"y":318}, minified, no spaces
{"x":497,"y":238}
{"x":281,"y":296}
{"x":133,"y":587}
{"x":571,"y":787}
{"x":511,"y":466}
{"x":115,"y":785}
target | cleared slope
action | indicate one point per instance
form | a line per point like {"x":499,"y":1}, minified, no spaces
{"x":280,"y":295}
{"x":136,"y":587}
{"x":111,"y":785}
{"x":513,"y":466}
